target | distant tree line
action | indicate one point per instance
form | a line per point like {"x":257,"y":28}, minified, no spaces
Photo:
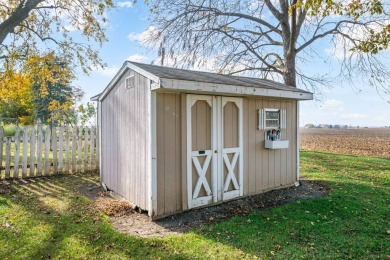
{"x":328,"y":126}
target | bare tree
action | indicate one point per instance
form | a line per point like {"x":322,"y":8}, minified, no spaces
{"x":270,"y":38}
{"x":30,"y":26}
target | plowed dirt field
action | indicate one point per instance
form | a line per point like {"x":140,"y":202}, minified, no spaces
{"x":365,"y":141}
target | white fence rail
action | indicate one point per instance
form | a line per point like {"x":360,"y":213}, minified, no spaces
{"x":33,"y":151}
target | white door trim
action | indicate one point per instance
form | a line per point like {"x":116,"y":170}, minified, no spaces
{"x":193,"y":199}
{"x":217,"y":156}
{"x":238,"y":154}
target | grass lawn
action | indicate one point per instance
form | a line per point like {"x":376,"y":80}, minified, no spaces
{"x":352,"y":222}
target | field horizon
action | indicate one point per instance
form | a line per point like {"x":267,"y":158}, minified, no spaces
{"x":360,"y":141}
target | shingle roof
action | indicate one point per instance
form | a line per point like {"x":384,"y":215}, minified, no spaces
{"x":200,"y":76}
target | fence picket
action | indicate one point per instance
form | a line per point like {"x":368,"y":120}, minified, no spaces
{"x":79,"y":152}
{"x":54,"y":148}
{"x":47,"y":151}
{"x":92,"y":149}
{"x":25,"y":148}
{"x":86,"y":136}
{"x":67,"y":136}
{"x":8,"y":157}
{"x":39,"y":149}
{"x":60,"y":149}
{"x":32,"y":151}
{"x":74,"y":146}
{"x":16,"y":153}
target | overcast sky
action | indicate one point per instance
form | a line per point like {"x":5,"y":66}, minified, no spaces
{"x":358,"y":105}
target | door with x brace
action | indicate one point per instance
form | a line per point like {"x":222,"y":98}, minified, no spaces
{"x":201,"y":146}
{"x":230,"y":170}
{"x":214,"y":148}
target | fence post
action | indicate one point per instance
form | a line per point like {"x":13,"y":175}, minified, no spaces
{"x":16,"y":152}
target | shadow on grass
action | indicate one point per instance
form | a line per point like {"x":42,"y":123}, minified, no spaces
{"x":3,"y":203}
{"x":52,"y":220}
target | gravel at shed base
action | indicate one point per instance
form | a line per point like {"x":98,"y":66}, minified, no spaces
{"x":140,"y":224}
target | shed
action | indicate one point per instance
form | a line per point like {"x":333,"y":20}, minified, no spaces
{"x":173,"y":139}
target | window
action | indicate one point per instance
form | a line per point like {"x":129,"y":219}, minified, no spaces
{"x":270,"y":118}
{"x":130,"y":82}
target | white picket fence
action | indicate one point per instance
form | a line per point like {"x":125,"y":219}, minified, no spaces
{"x":34,"y":152}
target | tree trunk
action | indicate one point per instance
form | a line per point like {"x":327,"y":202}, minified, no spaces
{"x":289,"y":75}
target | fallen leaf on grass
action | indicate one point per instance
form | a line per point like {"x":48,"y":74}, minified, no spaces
{"x":277,"y":247}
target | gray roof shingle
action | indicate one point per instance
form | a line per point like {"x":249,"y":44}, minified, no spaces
{"x":200,"y":76}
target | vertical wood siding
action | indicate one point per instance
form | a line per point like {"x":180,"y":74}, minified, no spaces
{"x":169,"y":173}
{"x":125,"y":145}
{"x":264,"y":169}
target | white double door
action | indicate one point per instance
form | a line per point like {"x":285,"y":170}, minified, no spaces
{"x":214,"y":149}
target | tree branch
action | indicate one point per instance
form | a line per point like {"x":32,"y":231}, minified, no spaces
{"x":17,"y":17}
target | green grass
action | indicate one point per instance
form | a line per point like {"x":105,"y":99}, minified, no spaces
{"x":352,"y":222}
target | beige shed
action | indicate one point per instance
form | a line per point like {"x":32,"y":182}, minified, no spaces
{"x":173,"y":140}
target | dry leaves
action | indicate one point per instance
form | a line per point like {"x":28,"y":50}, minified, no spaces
{"x":113,"y":208}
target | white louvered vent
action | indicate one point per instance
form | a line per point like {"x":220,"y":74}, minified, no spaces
{"x":130,"y":82}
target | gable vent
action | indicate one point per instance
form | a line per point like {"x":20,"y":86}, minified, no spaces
{"x":130,"y":82}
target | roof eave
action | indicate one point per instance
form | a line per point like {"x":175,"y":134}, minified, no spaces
{"x":213,"y":88}
{"x":126,"y":65}
{"x":95,"y":98}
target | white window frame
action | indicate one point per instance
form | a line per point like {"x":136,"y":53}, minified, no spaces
{"x":271,"y":119}
{"x":281,"y":119}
